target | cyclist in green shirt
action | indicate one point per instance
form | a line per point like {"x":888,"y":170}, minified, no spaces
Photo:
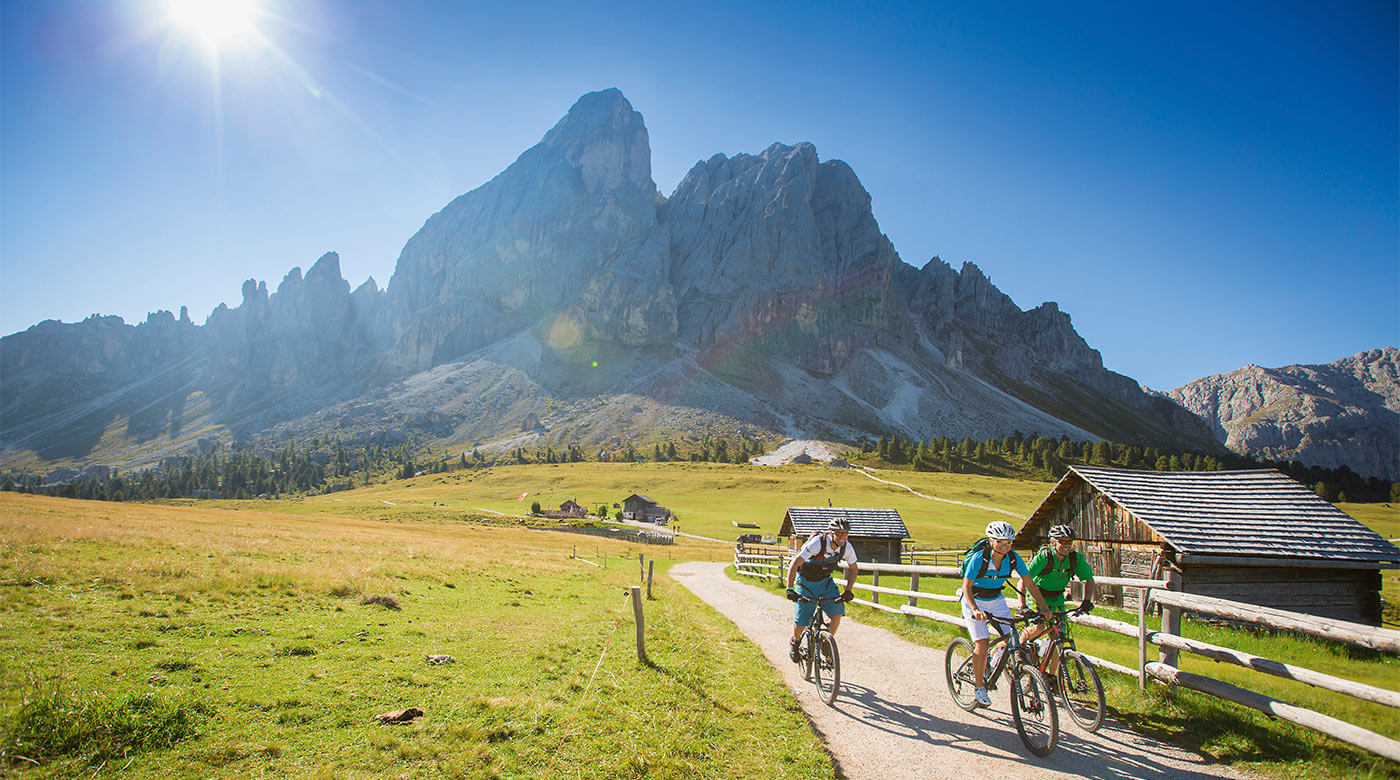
{"x":1051,"y":570}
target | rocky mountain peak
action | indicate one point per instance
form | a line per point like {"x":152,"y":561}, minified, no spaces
{"x":1344,"y":412}
{"x":606,"y":140}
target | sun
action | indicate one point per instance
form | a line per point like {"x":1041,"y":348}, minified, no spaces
{"x":218,"y":24}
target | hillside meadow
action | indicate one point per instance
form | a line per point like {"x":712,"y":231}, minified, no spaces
{"x":708,"y":498}
{"x":201,"y":641}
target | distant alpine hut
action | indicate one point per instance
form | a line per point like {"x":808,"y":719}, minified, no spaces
{"x":644,"y":510}
{"x":1252,"y":536}
{"x":568,"y":510}
{"x":876,"y":534}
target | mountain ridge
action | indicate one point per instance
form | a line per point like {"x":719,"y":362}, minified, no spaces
{"x":1346,"y":412}
{"x":761,"y":296}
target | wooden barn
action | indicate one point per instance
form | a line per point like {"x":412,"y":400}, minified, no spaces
{"x":876,"y":534}
{"x":1252,"y":536}
{"x":570,"y":509}
{"x":644,"y":510}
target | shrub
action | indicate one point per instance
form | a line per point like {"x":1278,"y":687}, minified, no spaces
{"x":388,"y":602}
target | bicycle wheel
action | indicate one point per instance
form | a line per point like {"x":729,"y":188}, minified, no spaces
{"x":1081,"y":690}
{"x":1033,"y":709}
{"x":961,"y":679}
{"x":826,"y":668}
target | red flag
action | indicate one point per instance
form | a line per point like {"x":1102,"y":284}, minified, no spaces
{"x":522,"y":496}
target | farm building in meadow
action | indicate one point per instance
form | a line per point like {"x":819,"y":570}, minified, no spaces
{"x":1252,"y":536}
{"x":876,"y":534}
{"x":644,"y":510}
{"x":570,"y":509}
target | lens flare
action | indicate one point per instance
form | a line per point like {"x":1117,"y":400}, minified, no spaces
{"x":217,"y":24}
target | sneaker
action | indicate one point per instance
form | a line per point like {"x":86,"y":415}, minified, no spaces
{"x":795,"y":651}
{"x":983,"y":699}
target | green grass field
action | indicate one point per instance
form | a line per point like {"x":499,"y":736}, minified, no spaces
{"x":229,"y":638}
{"x":228,"y":642}
{"x":707,"y":498}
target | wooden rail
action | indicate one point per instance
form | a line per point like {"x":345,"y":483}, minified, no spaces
{"x":1368,"y":637}
{"x":1368,"y":740}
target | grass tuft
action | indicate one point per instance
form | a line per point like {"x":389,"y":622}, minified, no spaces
{"x":388,"y":602}
{"x":96,"y":727}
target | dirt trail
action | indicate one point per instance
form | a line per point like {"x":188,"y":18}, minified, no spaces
{"x":890,"y":724}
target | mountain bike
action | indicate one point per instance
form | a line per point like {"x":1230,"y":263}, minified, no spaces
{"x":1078,"y":681}
{"x":1032,"y":704}
{"x":819,"y":659}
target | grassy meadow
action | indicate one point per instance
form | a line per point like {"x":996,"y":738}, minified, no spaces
{"x":230,"y":642}
{"x":232,"y":638}
{"x":708,"y":498}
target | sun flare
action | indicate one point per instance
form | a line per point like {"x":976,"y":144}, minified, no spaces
{"x":217,"y":24}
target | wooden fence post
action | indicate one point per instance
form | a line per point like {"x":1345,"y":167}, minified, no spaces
{"x":875,"y":580}
{"x":641,"y":624}
{"x":1142,"y":638}
{"x":1171,"y":619}
{"x":651,"y":568}
{"x":914,"y":586}
{"x":641,"y":566}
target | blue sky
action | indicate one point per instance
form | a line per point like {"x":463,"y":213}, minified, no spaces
{"x":1199,"y":185}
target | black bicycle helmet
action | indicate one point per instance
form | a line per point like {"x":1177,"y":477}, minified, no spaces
{"x":839,"y":524}
{"x":1061,"y":532}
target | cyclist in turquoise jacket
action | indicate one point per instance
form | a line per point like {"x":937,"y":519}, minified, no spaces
{"x":985,"y":572}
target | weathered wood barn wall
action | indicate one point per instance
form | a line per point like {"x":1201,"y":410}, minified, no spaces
{"x":1251,"y":536}
{"x":876,"y":534}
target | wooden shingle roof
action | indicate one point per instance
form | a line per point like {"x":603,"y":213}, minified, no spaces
{"x":879,"y":523}
{"x":1238,"y":513}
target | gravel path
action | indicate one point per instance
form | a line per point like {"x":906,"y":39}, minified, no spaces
{"x":889,"y":724}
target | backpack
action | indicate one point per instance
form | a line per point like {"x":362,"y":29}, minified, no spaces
{"x":984,"y":546}
{"x":813,"y":570}
{"x":1072,"y":562}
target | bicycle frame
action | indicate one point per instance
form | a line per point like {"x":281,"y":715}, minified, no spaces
{"x":819,"y":620}
{"x":1010,"y":639}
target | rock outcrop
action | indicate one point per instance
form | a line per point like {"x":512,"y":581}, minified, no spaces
{"x":1344,"y":413}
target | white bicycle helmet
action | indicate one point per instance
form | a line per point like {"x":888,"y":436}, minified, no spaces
{"x":1061,"y":532}
{"x":1000,"y":529}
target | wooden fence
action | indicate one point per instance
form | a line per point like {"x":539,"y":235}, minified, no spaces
{"x":639,"y":535}
{"x":760,"y":560}
{"x":1164,"y":594}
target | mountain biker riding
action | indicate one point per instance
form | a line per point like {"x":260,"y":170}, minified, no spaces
{"x":985,"y":572}
{"x":811,"y":570}
{"x":1051,"y":570}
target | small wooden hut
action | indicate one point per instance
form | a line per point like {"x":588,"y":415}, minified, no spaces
{"x":1252,"y":536}
{"x":876,"y":534}
{"x":644,"y":510}
{"x":570,"y":509}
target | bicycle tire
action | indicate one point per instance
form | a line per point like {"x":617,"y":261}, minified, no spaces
{"x":957,"y":667}
{"x":1081,"y":690}
{"x":826,"y":668}
{"x":1033,"y":710}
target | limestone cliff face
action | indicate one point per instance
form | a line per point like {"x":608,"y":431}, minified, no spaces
{"x":567,"y":289}
{"x":570,"y":226}
{"x":1341,"y":413}
{"x":781,"y":252}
